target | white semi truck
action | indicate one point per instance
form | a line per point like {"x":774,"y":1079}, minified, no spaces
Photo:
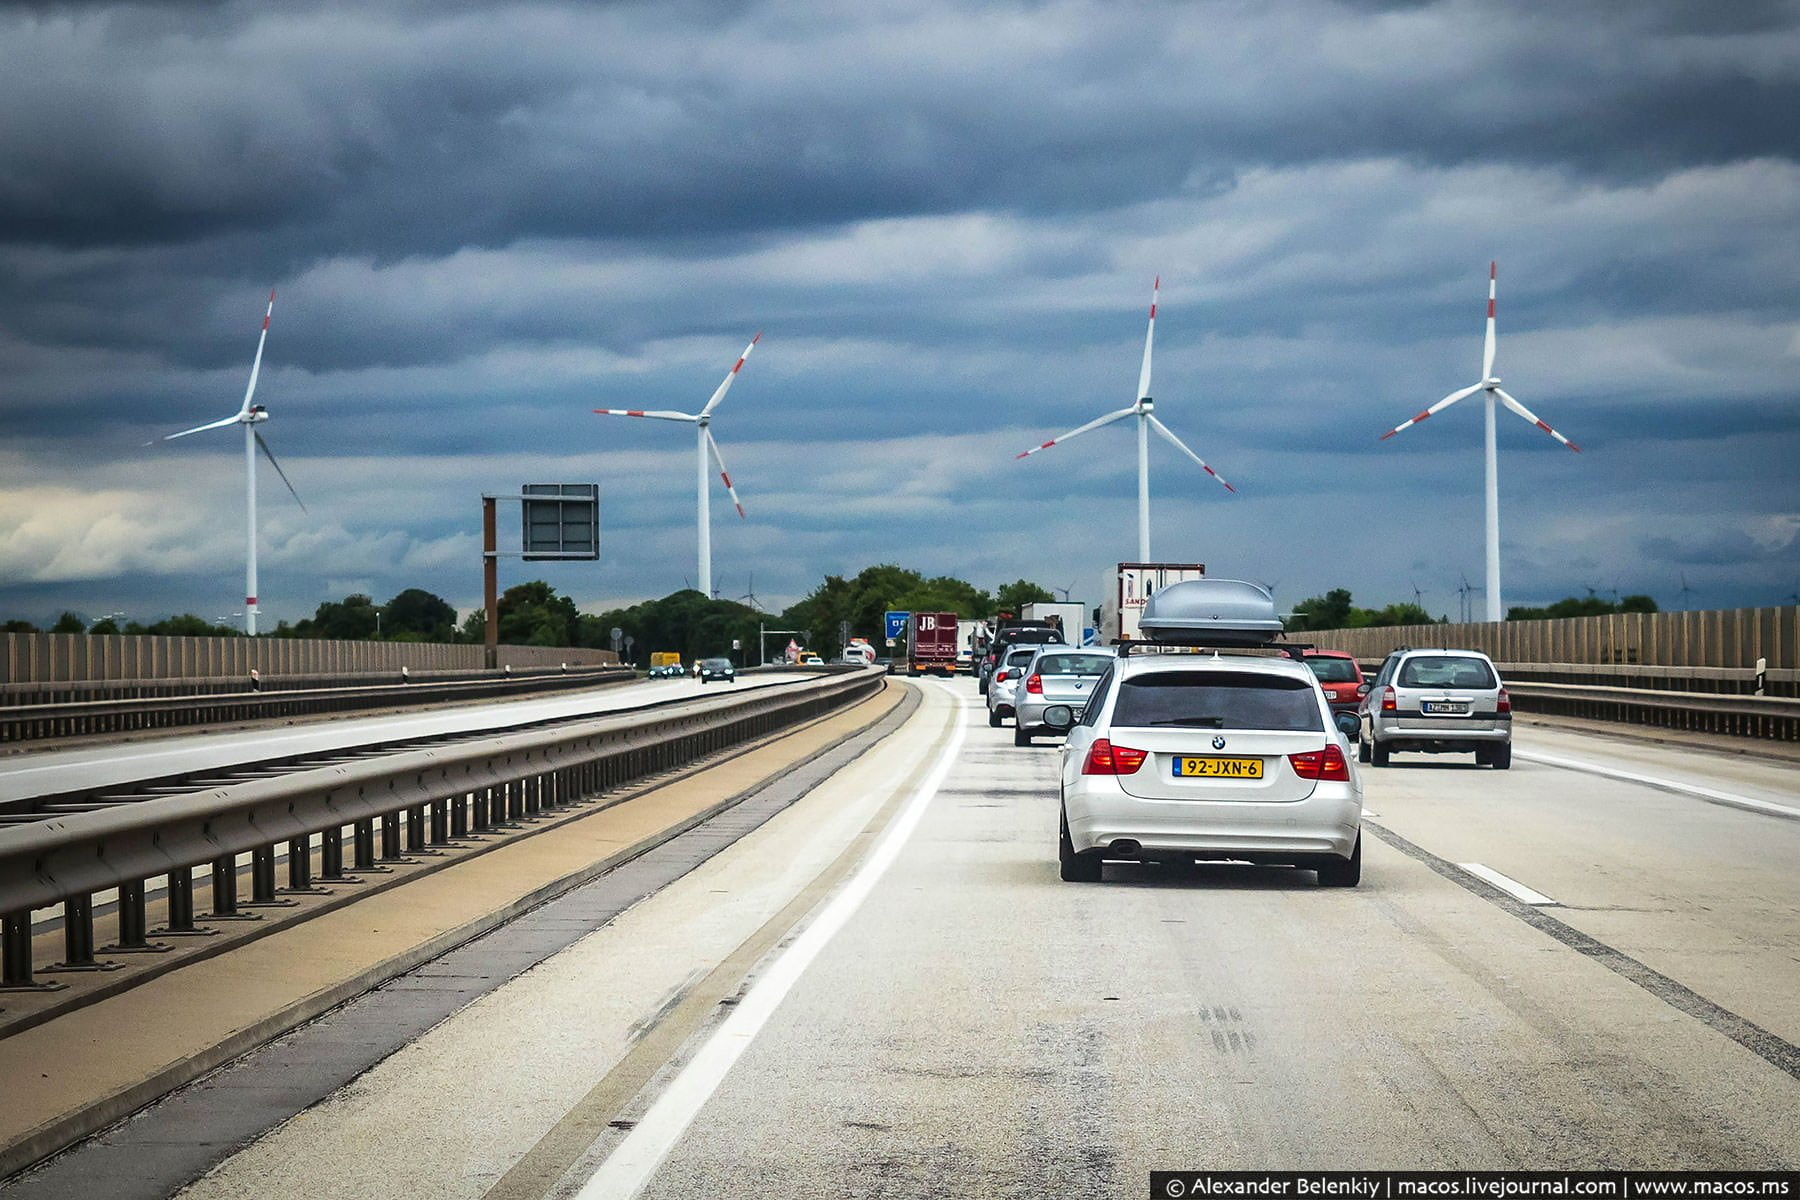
{"x":1071,"y":617}
{"x":1128,"y":586}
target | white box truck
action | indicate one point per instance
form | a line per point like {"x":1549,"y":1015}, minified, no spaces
{"x":1128,"y":586}
{"x":1071,"y":617}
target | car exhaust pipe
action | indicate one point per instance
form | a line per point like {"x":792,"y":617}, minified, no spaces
{"x":1124,"y":848}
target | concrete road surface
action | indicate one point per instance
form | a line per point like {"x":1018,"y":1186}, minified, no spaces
{"x":886,"y":991}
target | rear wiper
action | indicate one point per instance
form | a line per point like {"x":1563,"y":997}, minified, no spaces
{"x":1196,"y":722}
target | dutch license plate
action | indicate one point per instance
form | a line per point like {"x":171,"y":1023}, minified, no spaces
{"x":1455,"y":708}
{"x":1217,"y":768}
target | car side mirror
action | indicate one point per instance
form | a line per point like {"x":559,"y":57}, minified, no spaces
{"x":1059,"y":717}
{"x":1362,"y":689}
{"x":1348,"y":725}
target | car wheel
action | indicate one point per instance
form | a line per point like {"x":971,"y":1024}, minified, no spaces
{"x":1500,"y":758}
{"x":1346,"y":872}
{"x":1362,"y":750}
{"x":1076,"y":868}
{"x":994,"y":719}
{"x":1021,"y":736}
{"x":1378,"y":754}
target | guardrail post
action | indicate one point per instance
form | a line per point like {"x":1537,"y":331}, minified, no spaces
{"x":363,"y":846}
{"x":459,"y":815}
{"x":390,"y":835}
{"x":262,"y":879}
{"x":225,"y":891}
{"x":15,"y":956}
{"x":78,"y":937}
{"x":134,"y":926}
{"x":181,"y":907}
{"x":440,"y":822}
{"x":415,"y":828}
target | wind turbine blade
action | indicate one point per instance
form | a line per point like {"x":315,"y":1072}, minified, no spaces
{"x":1440,"y":406}
{"x":270,"y":455}
{"x":256,"y":366}
{"x":1108,"y":419}
{"x":662,"y":415}
{"x":1149,"y":339}
{"x":1532,"y":417}
{"x":1487,"y":349}
{"x":719,"y":461}
{"x":730,"y":376}
{"x":232,"y":420}
{"x":1181,"y":446}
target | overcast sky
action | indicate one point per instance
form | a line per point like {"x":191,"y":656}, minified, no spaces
{"x":484,"y":221}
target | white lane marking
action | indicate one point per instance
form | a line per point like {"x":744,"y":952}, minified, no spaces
{"x":1507,"y":884}
{"x":631,"y":1164}
{"x":1673,"y":785}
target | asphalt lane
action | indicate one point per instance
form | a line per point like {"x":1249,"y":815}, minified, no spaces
{"x":52,"y":772}
{"x":980,"y":1028}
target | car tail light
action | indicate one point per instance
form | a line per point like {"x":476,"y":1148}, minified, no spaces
{"x":999,"y":676}
{"x":1387,"y":700}
{"x":1328,"y":763}
{"x":1035,"y":685}
{"x":1104,"y":758}
{"x":1505,"y":704}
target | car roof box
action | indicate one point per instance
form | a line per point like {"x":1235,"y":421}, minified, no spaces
{"x":1211,"y":612}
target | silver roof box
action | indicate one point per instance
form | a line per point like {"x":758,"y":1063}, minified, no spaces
{"x":1211,"y":612}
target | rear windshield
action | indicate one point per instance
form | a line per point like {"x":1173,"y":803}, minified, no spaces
{"x":1018,"y":658}
{"x":1447,"y":672}
{"x":1036,"y":637}
{"x":1074,"y":664}
{"x":1335,"y":670}
{"x":1218,"y":700}
{"x":717,"y":663}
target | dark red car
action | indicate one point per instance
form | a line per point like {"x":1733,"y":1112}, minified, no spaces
{"x":1340,"y":676}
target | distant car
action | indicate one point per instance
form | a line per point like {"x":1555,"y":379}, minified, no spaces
{"x":1006,"y":639}
{"x":1437,"y":701}
{"x":1004,"y":685}
{"x":1340,"y":676}
{"x":965,"y":660}
{"x":668,"y":671}
{"x":809,"y":659}
{"x":1055,"y":675}
{"x":710,"y":669}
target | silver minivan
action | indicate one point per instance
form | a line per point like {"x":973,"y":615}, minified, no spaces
{"x":1438,"y":702}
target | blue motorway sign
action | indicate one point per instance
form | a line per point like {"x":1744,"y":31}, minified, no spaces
{"x":896,"y":624}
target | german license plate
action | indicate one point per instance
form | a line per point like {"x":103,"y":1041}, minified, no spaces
{"x":1217,"y":768}
{"x":1452,"y":708}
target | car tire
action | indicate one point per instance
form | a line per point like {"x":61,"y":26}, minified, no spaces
{"x":1345,"y":872}
{"x":1500,"y":757}
{"x":1021,"y":736}
{"x":981,"y":686}
{"x":1362,"y":750}
{"x":1075,"y":868}
{"x":994,"y":719}
{"x":1378,"y":754}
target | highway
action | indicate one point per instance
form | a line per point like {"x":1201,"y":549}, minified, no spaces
{"x":114,"y":763}
{"x":1591,"y":960}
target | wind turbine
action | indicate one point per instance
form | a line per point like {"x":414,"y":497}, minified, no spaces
{"x":750,"y":593}
{"x":704,"y":444}
{"x":1490,"y":384}
{"x":250,"y":416}
{"x":1686,"y":591}
{"x":1463,"y":596}
{"x":1144,"y":410}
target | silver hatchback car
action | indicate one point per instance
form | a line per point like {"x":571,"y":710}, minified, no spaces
{"x":1004,"y":686}
{"x":1437,"y":701}
{"x":1056,"y":675}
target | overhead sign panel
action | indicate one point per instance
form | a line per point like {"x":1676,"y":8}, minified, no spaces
{"x":560,"y":521}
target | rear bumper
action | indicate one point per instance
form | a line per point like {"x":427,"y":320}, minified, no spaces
{"x":1324,"y":825}
{"x":1440,"y":733}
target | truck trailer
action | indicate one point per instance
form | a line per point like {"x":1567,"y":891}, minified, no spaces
{"x":931,"y":643}
{"x":1070,"y":617}
{"x":1128,"y":586}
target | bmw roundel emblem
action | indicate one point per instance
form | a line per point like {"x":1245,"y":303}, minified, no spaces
{"x":1218,"y":743}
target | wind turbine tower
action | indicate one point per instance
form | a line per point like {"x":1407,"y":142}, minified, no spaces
{"x":1144,"y":410}
{"x":1490,"y":386}
{"x":250,"y":416}
{"x":704,"y":445}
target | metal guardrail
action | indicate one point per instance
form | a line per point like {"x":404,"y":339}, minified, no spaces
{"x":409,"y":801}
{"x":36,"y":722}
{"x":1771,"y":717}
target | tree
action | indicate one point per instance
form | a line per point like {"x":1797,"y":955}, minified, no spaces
{"x":17,"y":626}
{"x":104,"y":625}
{"x":416,"y":614}
{"x":69,"y":623}
{"x":1330,"y":611}
{"x":350,"y":619}
{"x":1013,"y":597}
{"x":684,"y":622}
{"x":1581,"y":606}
